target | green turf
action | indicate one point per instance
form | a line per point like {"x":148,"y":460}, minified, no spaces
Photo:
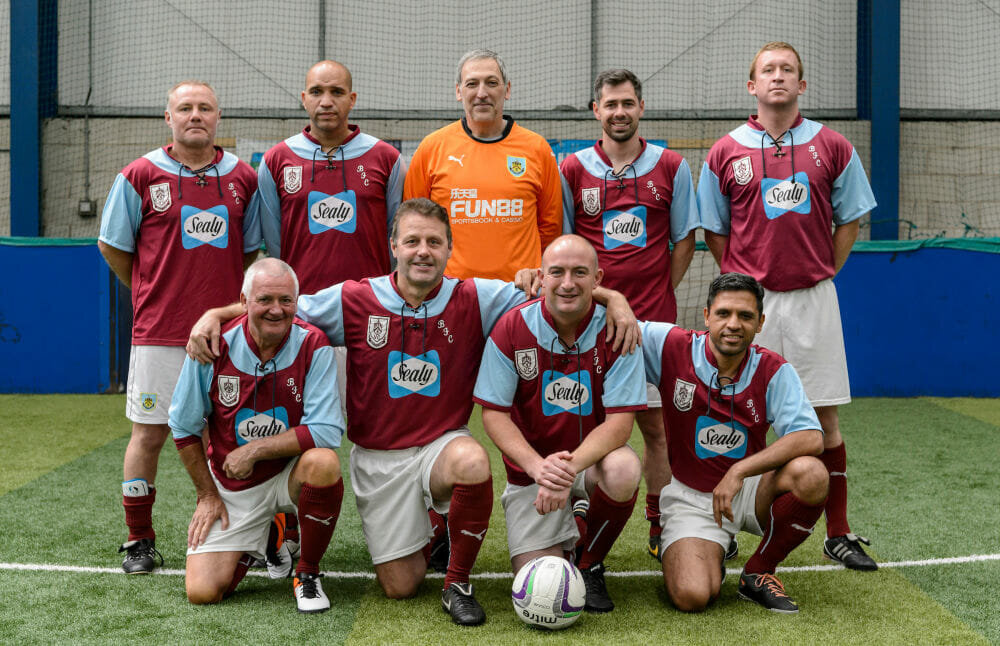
{"x":923,"y":485}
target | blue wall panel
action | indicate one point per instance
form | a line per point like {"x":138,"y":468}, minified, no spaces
{"x":921,"y":323}
{"x":54,"y":319}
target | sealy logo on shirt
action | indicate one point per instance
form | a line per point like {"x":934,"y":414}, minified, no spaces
{"x":252,"y":426}
{"x":566,"y":393}
{"x":410,"y":375}
{"x":328,"y":212}
{"x":715,"y":439}
{"x":785,"y":196}
{"x":625,"y":227}
{"x":209,"y":226}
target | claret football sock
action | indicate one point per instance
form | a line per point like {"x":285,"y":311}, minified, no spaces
{"x":606,"y":519}
{"x":139,"y":515}
{"x":835,"y":460}
{"x":791,"y":522}
{"x":468,"y":520}
{"x":319,"y":508}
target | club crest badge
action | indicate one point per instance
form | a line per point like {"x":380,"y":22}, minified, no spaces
{"x":229,"y":390}
{"x":683,"y":395}
{"x":516,"y":165}
{"x":378,"y":331}
{"x":591,"y":198}
{"x":743,"y":170}
{"x":147,"y":401}
{"x":293,"y":179}
{"x":159,"y":195}
{"x":526,"y":362}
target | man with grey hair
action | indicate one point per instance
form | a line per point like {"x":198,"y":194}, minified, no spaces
{"x":498,"y":181}
{"x":270,"y":408}
{"x":179,"y":226}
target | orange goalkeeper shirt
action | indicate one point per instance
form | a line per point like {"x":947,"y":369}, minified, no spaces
{"x":504,"y":197}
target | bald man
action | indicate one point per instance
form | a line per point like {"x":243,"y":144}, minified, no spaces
{"x":559,"y":404}
{"x":329,"y":193}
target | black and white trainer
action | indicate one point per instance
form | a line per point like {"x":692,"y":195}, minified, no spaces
{"x":766,"y":590}
{"x":847,"y":551}
{"x":309,"y":595}
{"x":140,"y":556}
{"x":597,"y":599}
{"x":459,"y":601}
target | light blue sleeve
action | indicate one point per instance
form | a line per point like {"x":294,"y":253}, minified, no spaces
{"x":251,"y":224}
{"x":569,"y":209}
{"x":325,"y":310}
{"x":788,"y":408}
{"x":121,"y":216}
{"x":713,"y":206}
{"x":495,"y":298}
{"x":190,"y":404}
{"x":654,"y":335}
{"x":270,"y":210}
{"x":321,"y":400}
{"x":497,"y":380}
{"x":851,"y":195}
{"x":394,"y":190}
{"x":625,"y":383}
{"x":683,"y":205}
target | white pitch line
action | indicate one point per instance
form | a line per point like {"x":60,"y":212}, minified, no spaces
{"x":955,"y":560}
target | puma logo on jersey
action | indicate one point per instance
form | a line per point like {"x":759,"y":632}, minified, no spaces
{"x":325,"y":521}
{"x":479,"y":537}
{"x":457,"y":160}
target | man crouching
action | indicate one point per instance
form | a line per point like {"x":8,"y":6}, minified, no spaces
{"x":269,"y":403}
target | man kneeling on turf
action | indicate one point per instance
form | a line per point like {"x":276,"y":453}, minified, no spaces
{"x":273,"y":419}
{"x":720,"y":395}
{"x":560,"y":404}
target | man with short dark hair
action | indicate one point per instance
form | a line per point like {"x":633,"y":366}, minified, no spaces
{"x":559,"y":404}
{"x":721,"y":394}
{"x":498,"y":181}
{"x":178,"y":228}
{"x":631,"y":199}
{"x":269,"y":406}
{"x":781,"y":198}
{"x":329,"y":193}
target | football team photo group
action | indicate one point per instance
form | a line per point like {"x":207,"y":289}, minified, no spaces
{"x":340,"y":291}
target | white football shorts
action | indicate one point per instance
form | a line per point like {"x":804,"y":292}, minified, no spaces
{"x":527,"y":530}
{"x":687,"y":513}
{"x":152,"y":375}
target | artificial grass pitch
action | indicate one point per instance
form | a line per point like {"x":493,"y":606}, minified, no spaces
{"x":922,"y":485}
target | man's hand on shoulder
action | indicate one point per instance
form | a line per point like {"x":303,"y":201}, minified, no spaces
{"x":529,"y":281}
{"x":623,"y":328}
{"x":203,"y":342}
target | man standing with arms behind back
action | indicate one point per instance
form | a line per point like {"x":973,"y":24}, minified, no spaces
{"x":179,"y":226}
{"x":631,"y":199}
{"x":498,"y":181}
{"x":329,"y":193}
{"x":770,"y":194}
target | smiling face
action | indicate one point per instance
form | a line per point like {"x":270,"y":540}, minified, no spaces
{"x":569,"y":276}
{"x":270,"y":307}
{"x":733,"y":321}
{"x":777,"y":78}
{"x":328,"y":99}
{"x":482,"y":91}
{"x":619,"y":111}
{"x":192,"y":115}
{"x":421,"y":249}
